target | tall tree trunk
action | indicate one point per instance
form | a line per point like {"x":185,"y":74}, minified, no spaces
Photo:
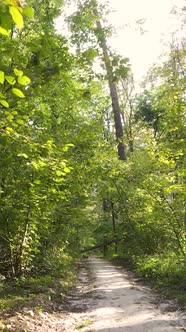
{"x":113,"y":91}
{"x":128,"y":109}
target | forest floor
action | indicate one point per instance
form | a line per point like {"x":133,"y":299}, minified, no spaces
{"x":107,"y":299}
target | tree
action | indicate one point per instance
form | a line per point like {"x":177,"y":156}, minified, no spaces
{"x":46,"y":144}
{"x":86,"y":26}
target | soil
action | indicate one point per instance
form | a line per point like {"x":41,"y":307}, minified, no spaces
{"x":107,"y":299}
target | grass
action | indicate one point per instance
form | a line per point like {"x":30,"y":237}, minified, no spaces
{"x":33,"y":293}
{"x":12,"y":297}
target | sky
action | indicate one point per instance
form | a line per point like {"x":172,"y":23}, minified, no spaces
{"x":143,"y":48}
{"x":141,"y":43}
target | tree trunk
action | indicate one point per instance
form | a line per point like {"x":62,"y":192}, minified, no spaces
{"x":113,"y":92}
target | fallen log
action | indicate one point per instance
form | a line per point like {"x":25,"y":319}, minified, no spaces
{"x":104,"y":244}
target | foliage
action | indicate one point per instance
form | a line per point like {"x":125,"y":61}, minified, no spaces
{"x":62,"y":186}
{"x":44,"y":138}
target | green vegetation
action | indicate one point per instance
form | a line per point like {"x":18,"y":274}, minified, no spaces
{"x":80,"y":163}
{"x":36,"y":293}
{"x":83,"y":324}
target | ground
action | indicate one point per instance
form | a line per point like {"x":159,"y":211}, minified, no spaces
{"x":107,"y":299}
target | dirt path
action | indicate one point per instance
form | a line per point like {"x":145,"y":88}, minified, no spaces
{"x":107,"y":299}
{"x":117,"y":303}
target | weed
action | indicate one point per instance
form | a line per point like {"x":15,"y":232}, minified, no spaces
{"x":84,"y":323}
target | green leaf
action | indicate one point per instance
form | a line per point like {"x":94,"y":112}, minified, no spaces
{"x":28,"y":11}
{"x":24,"y":80}
{"x":10,"y":117}
{"x":67,"y":170}
{"x":24,"y":155}
{"x":14,"y":125}
{"x":2,"y":76}
{"x":4,"y":31}
{"x":37,"y":181}
{"x":53,"y":190}
{"x":6,"y":21}
{"x":2,"y":95}
{"x":65,"y":148}
{"x":16,"y":16}
{"x":58,"y":173}
{"x":4,"y":103}
{"x":18,"y":93}
{"x":25,"y":117}
{"x":14,"y":112}
{"x":18,"y":72}
{"x":20,"y":122}
{"x":58,"y":180}
{"x":10,"y":79}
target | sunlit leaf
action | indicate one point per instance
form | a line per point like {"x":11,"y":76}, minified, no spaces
{"x":20,"y":122}
{"x":28,"y":11}
{"x":16,"y":16}
{"x":65,"y":148}
{"x":2,"y":77}
{"x":53,"y":190}
{"x":67,"y":170}
{"x":14,"y":112}
{"x":14,"y":2}
{"x":10,"y":117}
{"x":4,"y":103}
{"x":18,"y":93}
{"x":24,"y":155}
{"x":10,"y":79}
{"x":58,"y":180}
{"x":58,"y":173}
{"x":24,"y":80}
{"x":18,"y":72}
{"x":37,"y":181}
{"x":15,"y":125}
{"x":4,"y":31}
{"x":25,"y":117}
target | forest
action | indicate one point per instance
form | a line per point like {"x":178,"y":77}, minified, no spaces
{"x":86,"y":157}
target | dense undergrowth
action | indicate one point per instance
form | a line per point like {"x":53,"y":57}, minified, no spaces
{"x":166,"y":274}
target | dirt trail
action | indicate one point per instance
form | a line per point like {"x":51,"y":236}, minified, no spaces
{"x":107,"y":299}
{"x":117,"y":303}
